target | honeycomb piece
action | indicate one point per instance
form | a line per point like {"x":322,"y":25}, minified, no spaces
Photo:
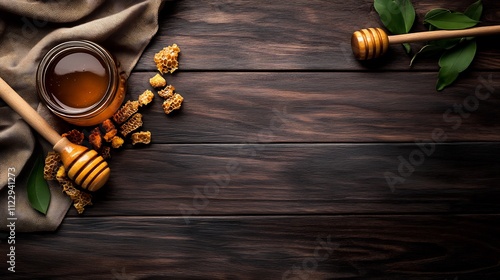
{"x":145,"y":98}
{"x":80,"y":199}
{"x":166,"y":59}
{"x":61,"y":174}
{"x":110,"y":134}
{"x":95,"y":138}
{"x":143,"y":137}
{"x":127,"y":110}
{"x":158,"y":81}
{"x":117,"y":142}
{"x":74,"y":136}
{"x":167,"y":92}
{"x":70,"y":190}
{"x":105,"y":152}
{"x":173,"y":103}
{"x":110,"y":129}
{"x":52,"y":162}
{"x":132,"y":124}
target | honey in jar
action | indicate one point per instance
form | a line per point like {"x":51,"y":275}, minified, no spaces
{"x":80,"y":82}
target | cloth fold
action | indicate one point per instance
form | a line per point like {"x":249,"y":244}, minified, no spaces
{"x":28,"y":29}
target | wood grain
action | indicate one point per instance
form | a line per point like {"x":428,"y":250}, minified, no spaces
{"x":273,"y":247}
{"x":248,"y":179}
{"x":302,"y":35}
{"x":228,"y":107}
{"x":284,"y":142}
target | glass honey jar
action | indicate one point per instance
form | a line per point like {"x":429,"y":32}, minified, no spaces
{"x":80,"y":82}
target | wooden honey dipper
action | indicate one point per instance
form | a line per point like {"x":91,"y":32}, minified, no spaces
{"x":373,"y":42}
{"x":84,"y":166}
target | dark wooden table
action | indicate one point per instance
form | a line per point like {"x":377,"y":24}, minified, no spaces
{"x":277,"y":165}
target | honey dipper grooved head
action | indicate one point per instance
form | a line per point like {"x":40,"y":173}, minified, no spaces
{"x":369,"y":43}
{"x":85,"y":167}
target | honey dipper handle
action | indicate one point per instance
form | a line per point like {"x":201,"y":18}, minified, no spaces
{"x":443,"y":34}
{"x":18,"y":104}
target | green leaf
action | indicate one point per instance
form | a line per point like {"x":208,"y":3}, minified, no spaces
{"x":435,"y":13}
{"x":397,"y":16}
{"x":425,"y":51}
{"x":445,"y":78}
{"x":407,"y":47}
{"x":455,"y":61}
{"x":450,"y":20}
{"x":475,"y":10}
{"x":38,"y":189}
{"x":460,"y":57}
{"x":408,"y":13}
{"x":390,"y":15}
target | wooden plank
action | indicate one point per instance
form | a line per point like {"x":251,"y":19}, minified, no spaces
{"x":276,"y":247}
{"x":227,"y":107}
{"x":247,"y":179}
{"x":301,"y":35}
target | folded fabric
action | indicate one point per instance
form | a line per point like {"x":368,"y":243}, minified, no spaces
{"x":28,"y":29}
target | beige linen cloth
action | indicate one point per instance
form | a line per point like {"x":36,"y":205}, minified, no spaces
{"x":28,"y":29}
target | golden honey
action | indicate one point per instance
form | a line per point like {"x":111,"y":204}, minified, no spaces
{"x":80,"y":82}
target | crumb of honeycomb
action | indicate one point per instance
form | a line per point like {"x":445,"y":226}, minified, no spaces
{"x":127,"y":110}
{"x":80,"y":199}
{"x":173,"y":103}
{"x":105,"y":152}
{"x":145,"y":98}
{"x":132,"y":124}
{"x":110,"y":134}
{"x":74,"y":136}
{"x":52,"y":162}
{"x":158,"y":81}
{"x":83,"y":199}
{"x":143,"y":137}
{"x":108,"y":125}
{"x":95,"y":138}
{"x":166,"y":59}
{"x":167,"y":92}
{"x":110,"y":129}
{"x":61,"y":174}
{"x":117,"y":142}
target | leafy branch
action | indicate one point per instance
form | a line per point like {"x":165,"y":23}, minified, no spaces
{"x":456,"y":54}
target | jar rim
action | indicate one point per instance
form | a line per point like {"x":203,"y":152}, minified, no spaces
{"x":66,"y":48}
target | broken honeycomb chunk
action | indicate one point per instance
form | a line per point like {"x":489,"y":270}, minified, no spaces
{"x":110,"y":134}
{"x":108,"y":125}
{"x":83,"y":199}
{"x":74,"y":136}
{"x":132,"y":124}
{"x":117,"y":142}
{"x":166,"y":59}
{"x":167,"y":92}
{"x":143,"y":137}
{"x":158,"y":81}
{"x":105,"y":152}
{"x":173,"y":103}
{"x":80,"y":199}
{"x":127,"y":110}
{"x":52,"y":162}
{"x":95,"y":138}
{"x":145,"y":98}
{"x":110,"y":129}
